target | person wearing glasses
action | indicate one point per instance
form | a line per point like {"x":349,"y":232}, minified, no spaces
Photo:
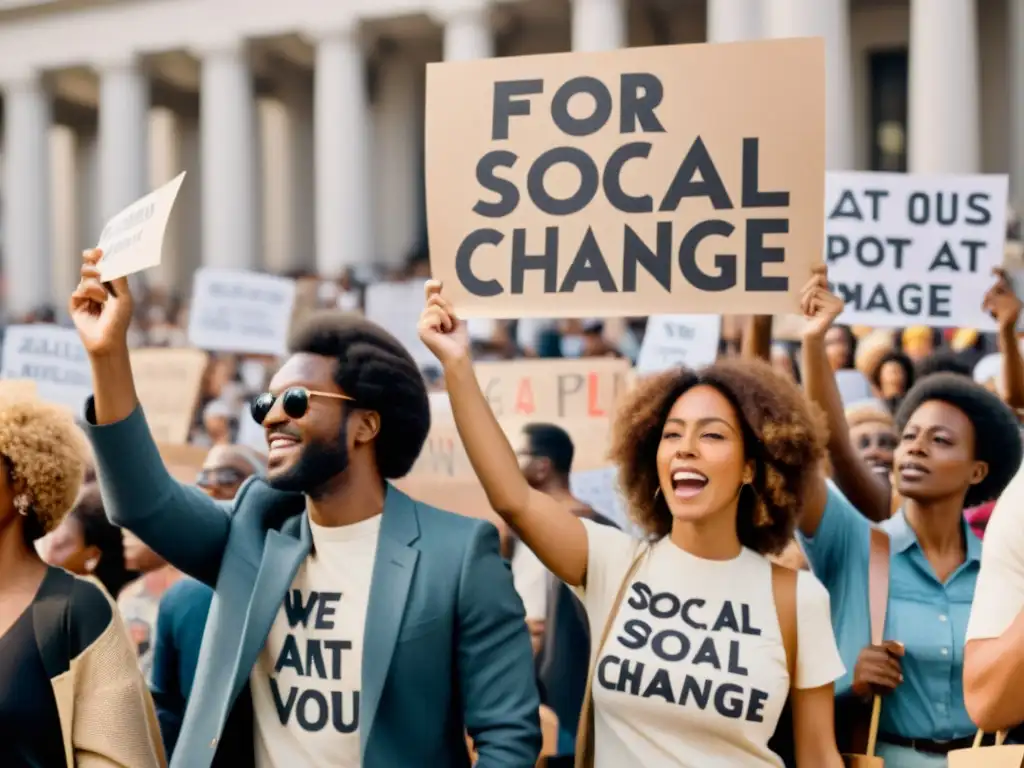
{"x":351,"y":625}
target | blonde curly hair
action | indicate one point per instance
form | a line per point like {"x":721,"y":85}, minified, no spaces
{"x":44,"y":452}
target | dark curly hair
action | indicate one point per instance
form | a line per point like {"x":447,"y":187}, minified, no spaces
{"x":375,"y":369}
{"x":997,"y":439}
{"x":943,"y":361}
{"x":99,"y":532}
{"x":902,"y":360}
{"x":783,"y":433}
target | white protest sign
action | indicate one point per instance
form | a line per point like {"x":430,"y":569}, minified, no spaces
{"x":52,"y":357}
{"x":133,"y":240}
{"x":678,"y":340}
{"x":238,"y":311}
{"x":396,"y":307}
{"x":897,"y":244}
{"x":600,"y":489}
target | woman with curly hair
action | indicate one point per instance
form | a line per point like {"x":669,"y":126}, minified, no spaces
{"x":958,"y":445}
{"x":70,"y":691}
{"x":692,"y":654}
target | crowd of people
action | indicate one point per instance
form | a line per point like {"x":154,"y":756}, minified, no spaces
{"x":810,"y":578}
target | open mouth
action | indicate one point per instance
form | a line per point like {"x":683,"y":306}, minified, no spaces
{"x":279,"y":444}
{"x":882,"y":469}
{"x":687,"y":483}
{"x":913,"y":471}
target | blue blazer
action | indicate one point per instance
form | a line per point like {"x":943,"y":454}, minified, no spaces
{"x":447,"y":649}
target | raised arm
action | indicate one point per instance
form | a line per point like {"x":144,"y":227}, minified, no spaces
{"x":852,"y":475}
{"x":555,"y":534}
{"x":1003,"y":304}
{"x":182,"y":524}
{"x":757,"y":338}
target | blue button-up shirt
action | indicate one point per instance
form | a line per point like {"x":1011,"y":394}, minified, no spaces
{"x":929,"y":617}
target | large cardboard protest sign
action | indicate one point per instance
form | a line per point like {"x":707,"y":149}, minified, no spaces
{"x":52,"y":357}
{"x":629,"y":182}
{"x":914,"y":249}
{"x":234,"y":310}
{"x":550,"y":390}
{"x":444,"y":455}
{"x":671,"y":341}
{"x":167,"y":382}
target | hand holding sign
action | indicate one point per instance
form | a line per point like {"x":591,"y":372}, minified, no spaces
{"x":820,"y":306}
{"x":878,"y":670}
{"x":1002,"y":302}
{"x":101,"y":311}
{"x":440,"y":330}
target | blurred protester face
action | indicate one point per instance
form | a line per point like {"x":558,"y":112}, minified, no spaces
{"x":918,"y":342}
{"x":217,"y":422}
{"x":892,"y":380}
{"x":700,"y":459}
{"x":223,"y":472}
{"x":536,"y":469}
{"x":875,"y":442}
{"x":838,"y":347}
{"x":137,"y":556}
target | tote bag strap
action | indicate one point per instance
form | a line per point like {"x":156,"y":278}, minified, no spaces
{"x":1000,"y":738}
{"x":784,"y":586}
{"x":585,"y":730}
{"x":878,"y":604}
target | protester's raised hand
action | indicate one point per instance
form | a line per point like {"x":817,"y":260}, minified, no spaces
{"x":1001,"y":301}
{"x":819,"y":305}
{"x":878,"y":669}
{"x":100,"y":314}
{"x":440,"y":329}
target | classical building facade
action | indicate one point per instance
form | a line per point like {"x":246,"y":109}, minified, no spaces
{"x":300,"y":121}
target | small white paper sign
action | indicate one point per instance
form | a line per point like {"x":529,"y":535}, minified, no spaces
{"x":678,"y":340}
{"x":52,"y":357}
{"x":600,"y":489}
{"x":238,"y":311}
{"x":133,"y":240}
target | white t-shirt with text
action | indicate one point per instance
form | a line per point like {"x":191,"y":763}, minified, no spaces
{"x":306,"y":683}
{"x":694,"y":670}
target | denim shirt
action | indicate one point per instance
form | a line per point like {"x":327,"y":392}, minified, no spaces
{"x":927,"y":616}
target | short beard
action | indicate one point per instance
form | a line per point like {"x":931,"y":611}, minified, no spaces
{"x":319,"y":463}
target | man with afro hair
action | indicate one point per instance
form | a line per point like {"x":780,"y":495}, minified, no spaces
{"x":351,"y":625}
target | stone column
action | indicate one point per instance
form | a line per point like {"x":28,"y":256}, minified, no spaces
{"x":944,"y":115}
{"x":123,"y":135}
{"x":599,"y":25}
{"x":343,"y":146}
{"x":468,"y":35}
{"x":734,"y":20}
{"x":829,"y":19}
{"x":26,"y":196}
{"x":230,"y":173}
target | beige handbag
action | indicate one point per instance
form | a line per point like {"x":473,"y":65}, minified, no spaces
{"x":878,"y":603}
{"x":999,"y":756}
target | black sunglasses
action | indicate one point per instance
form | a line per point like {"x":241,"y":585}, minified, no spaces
{"x":294,"y":401}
